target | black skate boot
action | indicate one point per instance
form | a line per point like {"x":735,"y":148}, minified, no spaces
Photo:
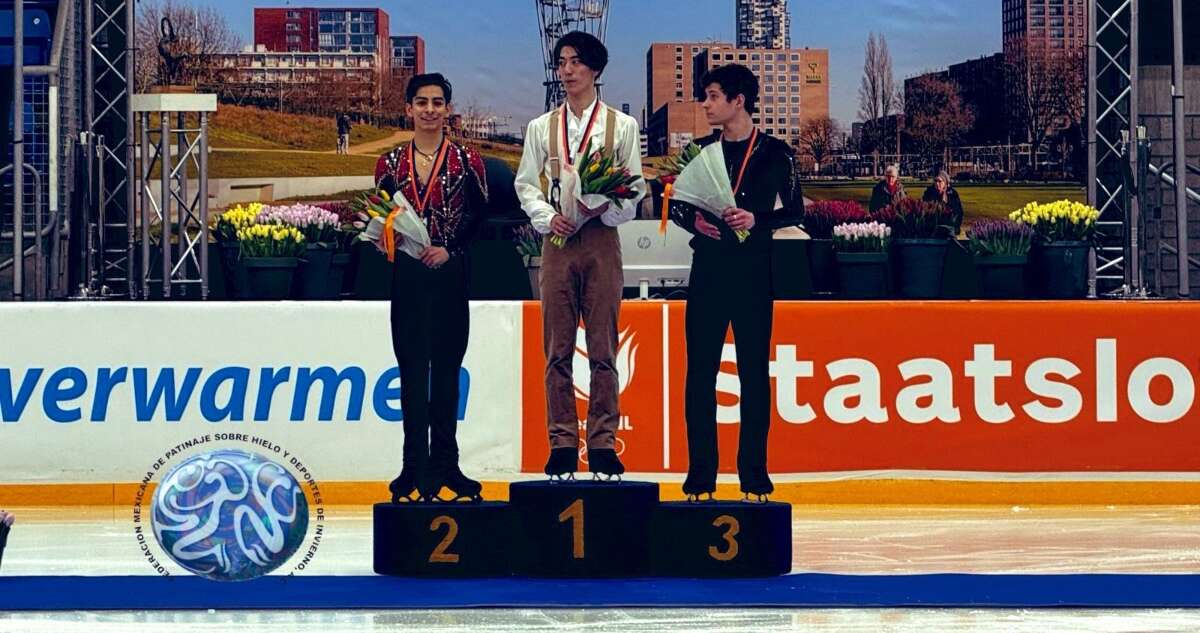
{"x":404,"y":486}
{"x":756,"y":487}
{"x":562,"y":464}
{"x":699,"y":488}
{"x":605,"y":465}
{"x":449,"y":476}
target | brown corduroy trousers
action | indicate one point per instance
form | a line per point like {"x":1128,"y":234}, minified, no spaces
{"x":584,"y":279}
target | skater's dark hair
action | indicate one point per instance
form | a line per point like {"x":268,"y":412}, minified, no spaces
{"x":591,"y":50}
{"x":428,"y":79}
{"x":734,"y":80}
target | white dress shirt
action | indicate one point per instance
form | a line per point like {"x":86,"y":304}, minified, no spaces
{"x":535,"y":161}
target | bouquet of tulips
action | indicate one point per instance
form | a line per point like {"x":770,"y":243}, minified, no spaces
{"x":1058,"y":221}
{"x":703,"y":182}
{"x":862,"y":237}
{"x":382,"y":216}
{"x":595,"y":180}
{"x":270,"y":240}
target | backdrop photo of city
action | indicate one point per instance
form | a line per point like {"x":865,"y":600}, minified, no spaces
{"x":994,"y":98}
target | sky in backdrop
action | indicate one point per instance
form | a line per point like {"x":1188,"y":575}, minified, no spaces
{"x":490,"y":51}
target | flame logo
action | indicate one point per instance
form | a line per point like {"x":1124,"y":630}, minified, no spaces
{"x":625,"y":361}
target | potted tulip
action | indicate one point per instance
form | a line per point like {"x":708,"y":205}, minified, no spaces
{"x":319,"y":228}
{"x":1001,"y":251}
{"x":529,"y":245}
{"x":270,"y":253}
{"x":226,"y":231}
{"x":1065,"y":231}
{"x":922,"y":233}
{"x":819,"y":219}
{"x":862,"y":258}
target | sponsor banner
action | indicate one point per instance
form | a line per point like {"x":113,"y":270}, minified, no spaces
{"x":92,"y":392}
{"x":917,"y":386}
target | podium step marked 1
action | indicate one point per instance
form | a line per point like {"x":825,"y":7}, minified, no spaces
{"x":583,"y":530}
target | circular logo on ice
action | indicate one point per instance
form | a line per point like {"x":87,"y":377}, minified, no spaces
{"x":229,"y":515}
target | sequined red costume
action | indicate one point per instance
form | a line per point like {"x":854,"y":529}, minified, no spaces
{"x":458,"y":199}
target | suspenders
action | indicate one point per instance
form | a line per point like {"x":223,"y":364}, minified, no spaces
{"x":610,"y":130}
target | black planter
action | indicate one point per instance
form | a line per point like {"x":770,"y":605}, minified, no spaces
{"x":270,"y":278}
{"x":920,"y":264}
{"x":338,"y":265}
{"x":822,"y":266}
{"x":236,"y":283}
{"x":373,"y":277}
{"x":313,"y":280}
{"x":863,"y":275}
{"x":1001,"y":276}
{"x":1062,"y":270}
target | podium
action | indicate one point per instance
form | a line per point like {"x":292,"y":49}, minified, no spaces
{"x":449,"y":540}
{"x":721,"y":538}
{"x":583,"y":529}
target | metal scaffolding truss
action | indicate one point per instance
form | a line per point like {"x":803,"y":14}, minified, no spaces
{"x":1120,"y":169}
{"x":174,"y":209}
{"x":109,"y":121}
{"x":556,"y":18}
{"x":1112,"y":121}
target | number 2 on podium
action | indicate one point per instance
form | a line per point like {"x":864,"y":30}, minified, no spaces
{"x":574,"y":512}
{"x":439,"y":554}
{"x":734,"y":527}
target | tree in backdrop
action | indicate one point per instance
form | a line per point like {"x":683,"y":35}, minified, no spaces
{"x":1045,"y":90}
{"x":199,"y":32}
{"x":936,"y":116}
{"x":877,"y":92}
{"x":818,"y":138}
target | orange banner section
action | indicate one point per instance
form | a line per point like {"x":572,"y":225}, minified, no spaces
{"x":954,"y":386}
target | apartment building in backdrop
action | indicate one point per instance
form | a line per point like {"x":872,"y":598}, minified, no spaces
{"x":763,"y":24}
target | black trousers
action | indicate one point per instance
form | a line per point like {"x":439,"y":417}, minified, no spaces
{"x":728,"y":289}
{"x":430,"y":325}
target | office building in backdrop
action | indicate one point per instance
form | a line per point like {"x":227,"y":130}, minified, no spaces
{"x":763,"y":24}
{"x":793,"y":89}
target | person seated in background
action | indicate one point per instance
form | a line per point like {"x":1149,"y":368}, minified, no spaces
{"x":6,"y":522}
{"x":887,"y":191}
{"x":941,"y":191}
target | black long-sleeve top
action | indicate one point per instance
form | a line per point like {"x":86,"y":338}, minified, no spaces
{"x":952,"y":200}
{"x":770,"y":190}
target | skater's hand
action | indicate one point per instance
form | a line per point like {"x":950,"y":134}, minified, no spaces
{"x":561,"y":226}
{"x":706,"y":228}
{"x":739,"y":219}
{"x":434,"y":256}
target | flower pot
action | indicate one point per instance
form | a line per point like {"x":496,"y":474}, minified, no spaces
{"x":339,"y":264}
{"x":313,"y":279}
{"x":270,"y":277}
{"x":533,"y":266}
{"x":1061,"y":270}
{"x":1001,"y":276}
{"x":822,"y":266}
{"x":863,"y":275}
{"x":920,"y":264}
{"x":236,"y":283}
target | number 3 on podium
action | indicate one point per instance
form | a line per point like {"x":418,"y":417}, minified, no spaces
{"x":733,"y":527}
{"x":574,"y":512}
